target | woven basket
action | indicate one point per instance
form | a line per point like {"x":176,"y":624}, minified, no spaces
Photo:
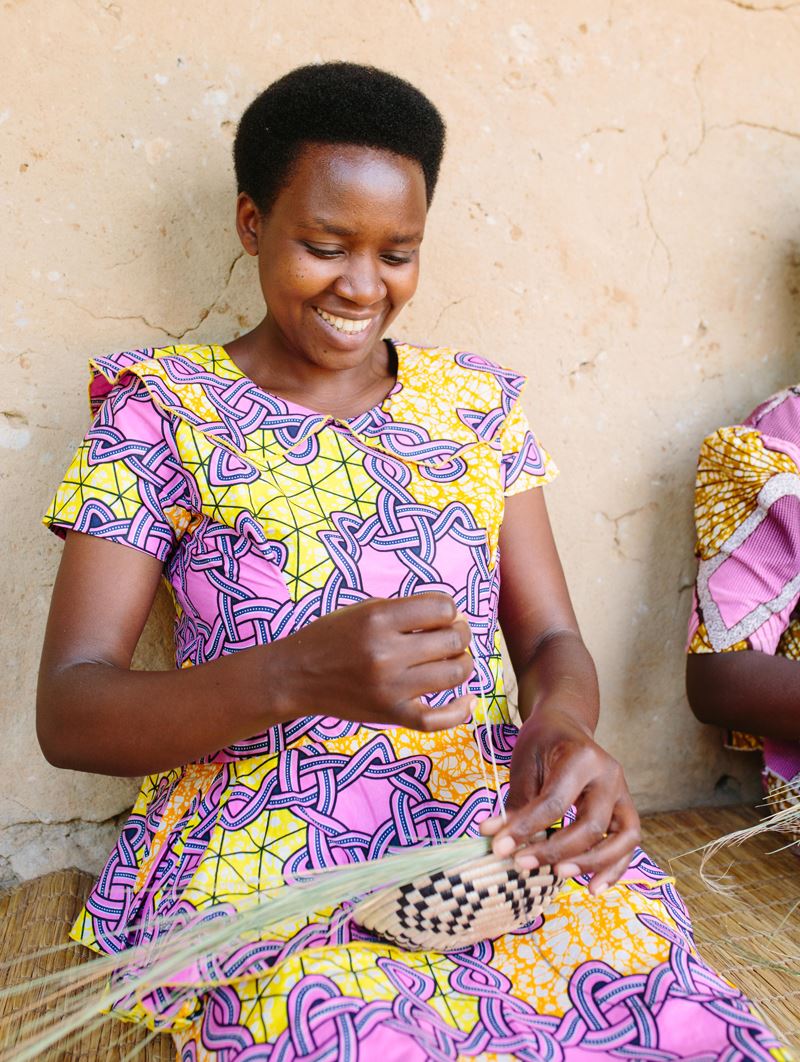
{"x":452,"y":909}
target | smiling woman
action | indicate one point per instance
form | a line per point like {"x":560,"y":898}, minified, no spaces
{"x":329,"y":508}
{"x":338,"y":258}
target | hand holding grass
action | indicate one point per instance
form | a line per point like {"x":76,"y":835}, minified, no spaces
{"x":557,"y":764}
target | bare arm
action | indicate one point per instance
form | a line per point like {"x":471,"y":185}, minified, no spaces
{"x":746,"y":690}
{"x":369,"y":662}
{"x":556,"y":762}
{"x":537,"y":618}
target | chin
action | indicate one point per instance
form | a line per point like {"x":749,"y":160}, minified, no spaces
{"x":337,"y":358}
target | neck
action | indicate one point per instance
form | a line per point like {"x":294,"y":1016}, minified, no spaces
{"x":268,"y":361}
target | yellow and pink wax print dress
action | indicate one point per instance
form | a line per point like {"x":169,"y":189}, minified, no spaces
{"x":747,"y":593}
{"x":267,"y":516}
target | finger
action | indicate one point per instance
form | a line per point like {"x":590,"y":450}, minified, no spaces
{"x":569,"y":844}
{"x":417,"y":715}
{"x":424,"y":647}
{"x":611,"y":858}
{"x":610,"y":874}
{"x":423,"y":612}
{"x":612,"y":849}
{"x":601,"y":882}
{"x":607,"y":875}
{"x":489,"y":827}
{"x":438,"y":676}
{"x":525,"y":822}
{"x":607,"y":860}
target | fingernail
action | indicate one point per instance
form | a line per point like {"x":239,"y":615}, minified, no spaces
{"x":473,"y":704}
{"x":526,"y":862}
{"x":601,"y":887}
{"x":490,"y":823}
{"x":504,"y":846}
{"x":568,"y":870}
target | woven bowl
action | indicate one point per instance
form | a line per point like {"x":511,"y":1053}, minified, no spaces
{"x":452,"y":909}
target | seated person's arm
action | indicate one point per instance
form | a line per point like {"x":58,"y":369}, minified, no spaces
{"x":750,"y":691}
{"x":747,"y":511}
{"x":373,"y":660}
{"x":556,"y":761}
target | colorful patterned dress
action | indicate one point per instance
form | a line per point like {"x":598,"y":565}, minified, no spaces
{"x":267,"y":516}
{"x":747,"y":511}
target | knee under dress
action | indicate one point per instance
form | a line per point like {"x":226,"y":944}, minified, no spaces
{"x":747,"y":593}
{"x":267,"y":516}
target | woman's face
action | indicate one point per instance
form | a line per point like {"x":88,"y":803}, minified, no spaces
{"x":338,"y":253}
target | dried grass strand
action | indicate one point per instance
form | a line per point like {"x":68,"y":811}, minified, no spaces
{"x":786,"y":820}
{"x":206,"y":938}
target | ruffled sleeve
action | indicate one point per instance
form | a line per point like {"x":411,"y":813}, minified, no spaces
{"x":525,"y":463}
{"x":125,"y":482}
{"x":747,"y":513}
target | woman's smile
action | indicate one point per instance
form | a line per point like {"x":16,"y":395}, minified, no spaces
{"x":338,"y":259}
{"x":348,"y":325}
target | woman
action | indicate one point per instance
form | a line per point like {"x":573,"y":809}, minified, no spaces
{"x":744,"y":634}
{"x":329,"y":508}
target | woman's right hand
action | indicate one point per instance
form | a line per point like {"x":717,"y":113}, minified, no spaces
{"x":372,"y":662}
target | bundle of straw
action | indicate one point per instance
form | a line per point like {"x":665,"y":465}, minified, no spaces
{"x":183,"y":957}
{"x":785,"y":821}
{"x":433,"y":895}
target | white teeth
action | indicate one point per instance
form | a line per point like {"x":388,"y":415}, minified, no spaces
{"x":344,"y":324}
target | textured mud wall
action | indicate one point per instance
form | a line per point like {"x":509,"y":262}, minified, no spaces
{"x":619,"y":217}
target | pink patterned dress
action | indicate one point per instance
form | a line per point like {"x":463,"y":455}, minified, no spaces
{"x":747,"y":511}
{"x":267,"y":516}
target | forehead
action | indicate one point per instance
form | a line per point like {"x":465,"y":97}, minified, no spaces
{"x":364,"y":185}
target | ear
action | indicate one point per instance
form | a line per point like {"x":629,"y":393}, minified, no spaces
{"x":248,"y":217}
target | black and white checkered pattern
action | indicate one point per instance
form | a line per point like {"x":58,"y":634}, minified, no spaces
{"x":454,"y":909}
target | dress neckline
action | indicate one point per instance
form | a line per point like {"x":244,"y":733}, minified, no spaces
{"x":221,"y":354}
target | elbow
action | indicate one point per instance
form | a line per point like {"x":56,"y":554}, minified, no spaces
{"x":53,"y":749}
{"x":700,"y":689}
{"x":52,"y":729}
{"x":701,"y":710}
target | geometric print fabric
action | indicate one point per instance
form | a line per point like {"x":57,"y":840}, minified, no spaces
{"x":267,"y":516}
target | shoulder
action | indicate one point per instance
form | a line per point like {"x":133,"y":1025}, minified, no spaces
{"x":474,"y":380}
{"x":743,"y":469}
{"x":779,"y":416}
{"x":160,"y":373}
{"x":764,"y":444}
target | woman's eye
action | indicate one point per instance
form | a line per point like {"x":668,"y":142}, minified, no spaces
{"x":323,"y":252}
{"x":336,"y":252}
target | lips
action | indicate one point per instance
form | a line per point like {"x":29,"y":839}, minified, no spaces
{"x":348,"y":326}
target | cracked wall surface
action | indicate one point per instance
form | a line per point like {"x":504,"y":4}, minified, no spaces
{"x":618,"y":216}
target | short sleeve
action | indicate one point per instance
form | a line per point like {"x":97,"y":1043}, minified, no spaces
{"x":525,"y":463}
{"x":747,"y":514}
{"x":125,"y":482}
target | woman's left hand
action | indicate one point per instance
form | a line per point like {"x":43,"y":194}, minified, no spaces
{"x":556,"y":763}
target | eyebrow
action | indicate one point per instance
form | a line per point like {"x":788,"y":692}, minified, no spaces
{"x":340,"y":230}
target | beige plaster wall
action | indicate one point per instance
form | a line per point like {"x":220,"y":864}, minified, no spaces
{"x":619,"y":217}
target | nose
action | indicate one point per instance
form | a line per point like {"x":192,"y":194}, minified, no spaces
{"x":361,"y":282}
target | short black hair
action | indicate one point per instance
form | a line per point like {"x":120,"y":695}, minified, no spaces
{"x":333,"y":103}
